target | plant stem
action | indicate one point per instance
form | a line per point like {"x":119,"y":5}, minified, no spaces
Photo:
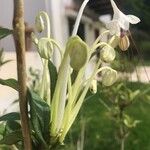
{"x":19,"y":37}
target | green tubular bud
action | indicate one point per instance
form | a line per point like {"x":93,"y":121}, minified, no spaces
{"x":114,"y":41}
{"x":34,"y":39}
{"x":93,"y":87}
{"x":107,"y":54}
{"x":39,"y":23}
{"x":78,"y":52}
{"x":109,"y":77}
{"x":45,"y":48}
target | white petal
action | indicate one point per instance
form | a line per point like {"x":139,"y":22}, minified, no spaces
{"x":124,"y":23}
{"x":114,"y":6}
{"x":133,"y":19}
{"x":113,"y":27}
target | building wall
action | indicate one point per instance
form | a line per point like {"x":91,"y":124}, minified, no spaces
{"x":60,"y":31}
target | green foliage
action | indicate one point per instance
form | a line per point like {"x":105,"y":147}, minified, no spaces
{"x":101,"y":132}
{"x":53,"y":76}
{"x":4,"y":32}
{"x":13,"y":83}
{"x":10,"y":116}
{"x":2,"y":61}
{"x":40,"y":118}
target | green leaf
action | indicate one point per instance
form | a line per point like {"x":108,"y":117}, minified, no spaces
{"x":12,"y":138}
{"x":40,"y":116}
{"x":12,"y":126}
{"x":5,"y":32}
{"x":53,"y":76}
{"x":13,"y":83}
{"x":10,"y":116}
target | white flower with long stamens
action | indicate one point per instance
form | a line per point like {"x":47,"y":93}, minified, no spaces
{"x":120,"y":21}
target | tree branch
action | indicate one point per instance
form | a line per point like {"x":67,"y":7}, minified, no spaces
{"x":19,"y":37}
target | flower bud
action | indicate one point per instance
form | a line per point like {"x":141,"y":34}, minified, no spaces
{"x":93,"y":87}
{"x":34,"y":39}
{"x":78,"y":52}
{"x":107,"y":54}
{"x":124,"y":43}
{"x":109,"y":77}
{"x":39,"y":23}
{"x":45,"y":48}
{"x":114,"y":41}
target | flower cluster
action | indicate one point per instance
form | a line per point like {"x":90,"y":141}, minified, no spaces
{"x":68,"y":93}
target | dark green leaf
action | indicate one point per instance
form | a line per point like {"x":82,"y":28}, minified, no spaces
{"x":2,"y":128}
{"x":40,"y":115}
{"x":10,"y":116}
{"x":12,"y":126}
{"x":10,"y":82}
{"x":53,"y":76}
{"x":4,"y":32}
{"x":12,"y":138}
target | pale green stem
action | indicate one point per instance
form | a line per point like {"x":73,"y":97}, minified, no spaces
{"x":104,"y":104}
{"x":76,"y":26}
{"x":100,"y":37}
{"x":77,"y":107}
{"x":45,"y":79}
{"x":59,"y":98}
{"x":48,"y":27}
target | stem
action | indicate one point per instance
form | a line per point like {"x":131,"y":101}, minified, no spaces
{"x":76,"y":26}
{"x":19,"y":37}
{"x":122,"y":144}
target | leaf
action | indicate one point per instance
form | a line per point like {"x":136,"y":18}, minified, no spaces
{"x":12,"y":138}
{"x":40,"y":116}
{"x":53,"y":76}
{"x":13,"y":83}
{"x":12,"y":126}
{"x":5,"y":32}
{"x":10,"y":116}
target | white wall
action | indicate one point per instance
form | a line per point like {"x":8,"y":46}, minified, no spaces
{"x":6,"y":10}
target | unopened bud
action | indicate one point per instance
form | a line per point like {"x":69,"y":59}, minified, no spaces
{"x":78,"y":52}
{"x":124,"y":43}
{"x":109,"y":77}
{"x":107,"y":54}
{"x":39,"y":23}
{"x":114,"y":41}
{"x":45,"y":48}
{"x":34,"y":39}
{"x":93,"y":87}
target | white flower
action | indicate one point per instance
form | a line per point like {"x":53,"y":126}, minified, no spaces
{"x":120,"y":20}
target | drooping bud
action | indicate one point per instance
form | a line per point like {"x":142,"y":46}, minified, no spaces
{"x":78,"y":52}
{"x":39,"y":23}
{"x":45,"y":48}
{"x":124,"y":43}
{"x":93,"y":87}
{"x":114,"y":41}
{"x":34,"y":39}
{"x":109,"y":76}
{"x":107,"y":54}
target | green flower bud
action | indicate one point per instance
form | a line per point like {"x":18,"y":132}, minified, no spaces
{"x":45,"y":48}
{"x":114,"y":41}
{"x":107,"y":54}
{"x":39,"y":23}
{"x":109,"y":76}
{"x":93,"y":87}
{"x":34,"y":39}
{"x":78,"y":52}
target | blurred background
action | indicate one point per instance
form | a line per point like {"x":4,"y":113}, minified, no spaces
{"x":89,"y":132}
